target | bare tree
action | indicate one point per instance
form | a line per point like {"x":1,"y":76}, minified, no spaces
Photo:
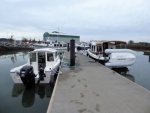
{"x":11,"y":39}
{"x":24,"y":40}
{"x":30,"y":40}
{"x":33,"y":41}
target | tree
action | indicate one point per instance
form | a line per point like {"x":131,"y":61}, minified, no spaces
{"x":24,"y":40}
{"x":33,"y":40}
{"x":30,"y":40}
{"x":39,"y":41}
{"x":131,"y":42}
{"x":11,"y":39}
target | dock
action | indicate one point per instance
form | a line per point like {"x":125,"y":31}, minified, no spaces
{"x":147,"y":53}
{"x":90,"y":87}
{"x":10,"y":47}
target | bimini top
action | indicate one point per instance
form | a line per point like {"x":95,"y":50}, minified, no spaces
{"x":44,"y":50}
{"x":114,"y":42}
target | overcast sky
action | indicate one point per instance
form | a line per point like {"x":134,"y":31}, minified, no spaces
{"x":90,"y":19}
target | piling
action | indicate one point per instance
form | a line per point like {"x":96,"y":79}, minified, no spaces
{"x":147,"y":53}
{"x":68,"y":47}
{"x":72,"y":52}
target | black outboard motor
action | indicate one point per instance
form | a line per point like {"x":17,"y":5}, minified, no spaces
{"x":27,"y":76}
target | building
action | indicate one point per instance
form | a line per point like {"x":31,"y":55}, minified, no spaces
{"x":60,"y":37}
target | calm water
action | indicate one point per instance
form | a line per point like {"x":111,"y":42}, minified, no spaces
{"x":140,"y":71}
{"x":16,"y":98}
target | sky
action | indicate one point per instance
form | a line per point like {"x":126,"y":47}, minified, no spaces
{"x":90,"y":19}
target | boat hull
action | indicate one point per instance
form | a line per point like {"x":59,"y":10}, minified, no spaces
{"x":120,"y":57}
{"x":50,"y":75}
{"x":115,"y":57}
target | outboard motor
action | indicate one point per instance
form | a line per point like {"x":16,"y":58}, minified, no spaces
{"x":27,"y":76}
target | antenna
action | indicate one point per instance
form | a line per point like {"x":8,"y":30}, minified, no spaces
{"x":57,"y":34}
{"x":57,"y":40}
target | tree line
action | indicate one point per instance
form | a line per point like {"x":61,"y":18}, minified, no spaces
{"x":24,"y":40}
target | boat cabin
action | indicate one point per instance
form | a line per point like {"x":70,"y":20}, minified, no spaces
{"x":99,"y":47}
{"x":42,"y":58}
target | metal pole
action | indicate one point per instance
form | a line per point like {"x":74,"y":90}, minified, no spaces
{"x":72,"y":52}
{"x":68,"y":47}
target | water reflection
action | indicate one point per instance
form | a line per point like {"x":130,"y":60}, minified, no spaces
{"x":147,"y":54}
{"x":14,"y":58}
{"x":125,"y":73}
{"x":10,"y":53}
{"x":28,"y":95}
{"x":148,"y":58}
{"x":13,"y":55}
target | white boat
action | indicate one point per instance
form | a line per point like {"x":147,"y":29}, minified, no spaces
{"x":40,"y":45}
{"x":42,"y":66}
{"x":106,"y":53}
{"x":49,"y":43}
{"x":82,"y":45}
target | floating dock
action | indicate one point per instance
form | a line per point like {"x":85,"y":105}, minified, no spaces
{"x":90,"y":87}
{"x":146,"y":52}
{"x":10,"y":48}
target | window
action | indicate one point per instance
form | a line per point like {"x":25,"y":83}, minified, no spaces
{"x":56,"y":54}
{"x":93,"y":48}
{"x":99,"y":48}
{"x":32,"y":57}
{"x":50,"y":57}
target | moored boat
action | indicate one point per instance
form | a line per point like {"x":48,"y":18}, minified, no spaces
{"x":50,"y":44}
{"x":42,"y":67}
{"x":107,"y":53}
{"x":82,"y":46}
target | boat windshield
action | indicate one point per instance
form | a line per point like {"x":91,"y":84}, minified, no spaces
{"x":50,"y":57}
{"x":99,"y":48}
{"x":55,"y":54}
{"x":32,"y":57}
{"x":93,"y":48}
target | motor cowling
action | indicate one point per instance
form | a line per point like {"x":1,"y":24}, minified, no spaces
{"x":27,"y":76}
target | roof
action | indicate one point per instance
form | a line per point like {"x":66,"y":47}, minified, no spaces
{"x":44,"y":50}
{"x":116,"y":42}
{"x":59,"y":35}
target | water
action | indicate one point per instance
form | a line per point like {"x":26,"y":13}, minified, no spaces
{"x":16,"y":98}
{"x":140,"y":71}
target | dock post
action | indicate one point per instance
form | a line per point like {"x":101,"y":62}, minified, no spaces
{"x":72,"y":52}
{"x":68,"y":47}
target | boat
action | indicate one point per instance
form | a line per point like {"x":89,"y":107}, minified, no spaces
{"x":106,"y":53}
{"x":82,"y":46}
{"x":50,"y":44}
{"x":40,"y":45}
{"x":41,"y":67}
